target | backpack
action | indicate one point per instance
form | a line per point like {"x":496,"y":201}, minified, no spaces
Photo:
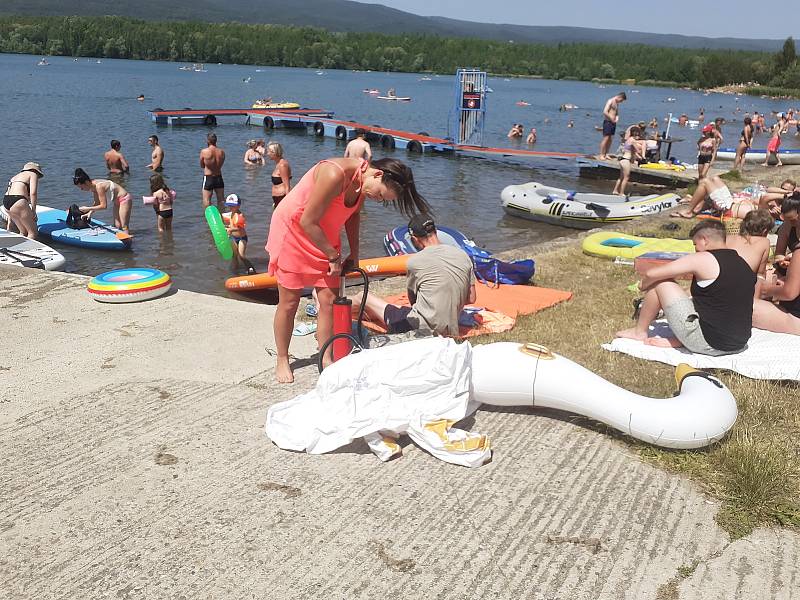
{"x":493,"y":271}
{"x":75,"y":218}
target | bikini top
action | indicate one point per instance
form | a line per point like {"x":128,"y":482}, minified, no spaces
{"x":277,"y":180}
{"x":110,"y":191}
{"x":12,"y":181}
{"x":707,"y":145}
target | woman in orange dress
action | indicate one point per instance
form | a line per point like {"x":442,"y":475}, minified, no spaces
{"x":304,"y":242}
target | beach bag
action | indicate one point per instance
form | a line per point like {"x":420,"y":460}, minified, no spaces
{"x":493,"y":271}
{"x":75,"y":218}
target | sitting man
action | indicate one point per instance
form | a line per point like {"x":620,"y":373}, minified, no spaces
{"x":440,"y":282}
{"x":718,"y":317}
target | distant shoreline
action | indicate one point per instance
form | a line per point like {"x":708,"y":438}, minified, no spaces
{"x":307,"y":47}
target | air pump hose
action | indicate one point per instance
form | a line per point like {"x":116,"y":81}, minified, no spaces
{"x":358,"y":339}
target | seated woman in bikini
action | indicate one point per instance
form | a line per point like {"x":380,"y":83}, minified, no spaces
{"x":772,"y":198}
{"x":751,"y":243}
{"x":788,"y":234}
{"x":781,"y":312}
{"x":714,"y":189}
{"x":105,"y":192}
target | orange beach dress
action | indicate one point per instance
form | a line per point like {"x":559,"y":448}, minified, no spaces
{"x":294,"y":259}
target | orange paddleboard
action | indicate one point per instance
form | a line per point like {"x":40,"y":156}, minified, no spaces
{"x":384,"y":265}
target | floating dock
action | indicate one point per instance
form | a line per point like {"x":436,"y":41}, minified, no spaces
{"x":321,"y":123}
{"x":208,"y":116}
{"x":389,"y":139}
{"x":609,"y":169}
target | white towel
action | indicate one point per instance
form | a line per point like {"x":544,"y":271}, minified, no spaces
{"x":768,"y":355}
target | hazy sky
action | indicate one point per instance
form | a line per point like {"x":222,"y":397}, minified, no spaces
{"x":709,"y":18}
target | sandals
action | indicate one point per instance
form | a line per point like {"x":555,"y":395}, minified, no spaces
{"x":304,"y":329}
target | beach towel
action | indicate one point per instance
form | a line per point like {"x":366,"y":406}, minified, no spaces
{"x":496,"y":308}
{"x":768,"y":355}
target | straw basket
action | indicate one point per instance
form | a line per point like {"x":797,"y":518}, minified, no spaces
{"x":732,"y":225}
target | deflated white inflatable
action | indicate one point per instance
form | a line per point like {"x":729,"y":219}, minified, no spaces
{"x":509,"y":374}
{"x":422,"y":388}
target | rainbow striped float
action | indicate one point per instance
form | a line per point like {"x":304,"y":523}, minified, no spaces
{"x":129,"y":285}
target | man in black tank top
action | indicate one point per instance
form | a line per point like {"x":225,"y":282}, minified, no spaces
{"x":718,"y":317}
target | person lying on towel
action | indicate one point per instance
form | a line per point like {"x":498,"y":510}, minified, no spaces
{"x":440,"y":282}
{"x":717,"y":319}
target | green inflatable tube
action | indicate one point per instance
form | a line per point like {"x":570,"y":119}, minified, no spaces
{"x":218,"y":232}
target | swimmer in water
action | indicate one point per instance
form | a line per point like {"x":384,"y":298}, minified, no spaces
{"x":252,"y":157}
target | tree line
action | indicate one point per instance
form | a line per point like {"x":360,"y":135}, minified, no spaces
{"x":120,"y":37}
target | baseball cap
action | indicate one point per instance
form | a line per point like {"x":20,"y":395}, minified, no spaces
{"x":421,"y":225}
{"x":232,"y":200}
{"x":708,"y":128}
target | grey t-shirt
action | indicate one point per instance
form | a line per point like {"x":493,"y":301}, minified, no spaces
{"x":439,"y":278}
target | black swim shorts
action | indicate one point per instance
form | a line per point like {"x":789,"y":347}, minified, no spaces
{"x":395,"y":318}
{"x":213,"y":182}
{"x":609,"y":127}
{"x":704,"y":159}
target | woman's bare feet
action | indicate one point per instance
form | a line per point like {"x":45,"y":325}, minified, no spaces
{"x":632,"y":334}
{"x":283,"y":372}
{"x":682,"y":214}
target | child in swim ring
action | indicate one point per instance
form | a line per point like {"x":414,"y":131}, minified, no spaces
{"x":235,"y":226}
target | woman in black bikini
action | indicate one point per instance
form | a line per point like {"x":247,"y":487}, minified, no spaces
{"x":281,"y":175}
{"x":789,"y":233}
{"x":745,"y":140}
{"x":21,"y":197}
{"x":783,"y":317}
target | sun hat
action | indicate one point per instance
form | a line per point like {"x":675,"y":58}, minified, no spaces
{"x":35,"y":167}
{"x":421,"y":225}
{"x":232,"y":200}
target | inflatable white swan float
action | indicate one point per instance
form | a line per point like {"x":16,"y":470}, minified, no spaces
{"x":511,"y":374}
{"x":423,"y":387}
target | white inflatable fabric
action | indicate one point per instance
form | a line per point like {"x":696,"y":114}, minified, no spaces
{"x":512,"y":374}
{"x":420,"y":388}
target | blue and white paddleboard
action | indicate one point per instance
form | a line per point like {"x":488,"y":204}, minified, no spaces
{"x":53,"y":223}
{"x":20,"y":251}
{"x":398,"y":241}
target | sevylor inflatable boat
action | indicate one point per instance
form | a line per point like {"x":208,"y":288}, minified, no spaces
{"x":539,"y":202}
{"x":398,"y":241}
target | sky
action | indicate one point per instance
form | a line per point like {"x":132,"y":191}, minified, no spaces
{"x":707,"y":18}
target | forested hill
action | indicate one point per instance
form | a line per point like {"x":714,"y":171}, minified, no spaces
{"x":344,"y":15}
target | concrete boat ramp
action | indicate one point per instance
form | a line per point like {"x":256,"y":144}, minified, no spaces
{"x":135,"y":465}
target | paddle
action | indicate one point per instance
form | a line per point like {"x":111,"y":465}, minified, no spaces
{"x":599,"y":208}
{"x":35,"y":262}
{"x":121,"y":235}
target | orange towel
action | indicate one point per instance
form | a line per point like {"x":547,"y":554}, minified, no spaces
{"x":516,"y":300}
{"x":501,"y":305}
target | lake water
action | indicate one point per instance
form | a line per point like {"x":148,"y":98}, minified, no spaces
{"x":65,"y":114}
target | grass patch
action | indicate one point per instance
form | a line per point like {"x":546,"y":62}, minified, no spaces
{"x":755,"y":471}
{"x":733,"y":175}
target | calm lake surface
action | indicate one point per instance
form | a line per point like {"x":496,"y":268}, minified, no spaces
{"x":65,"y":114}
